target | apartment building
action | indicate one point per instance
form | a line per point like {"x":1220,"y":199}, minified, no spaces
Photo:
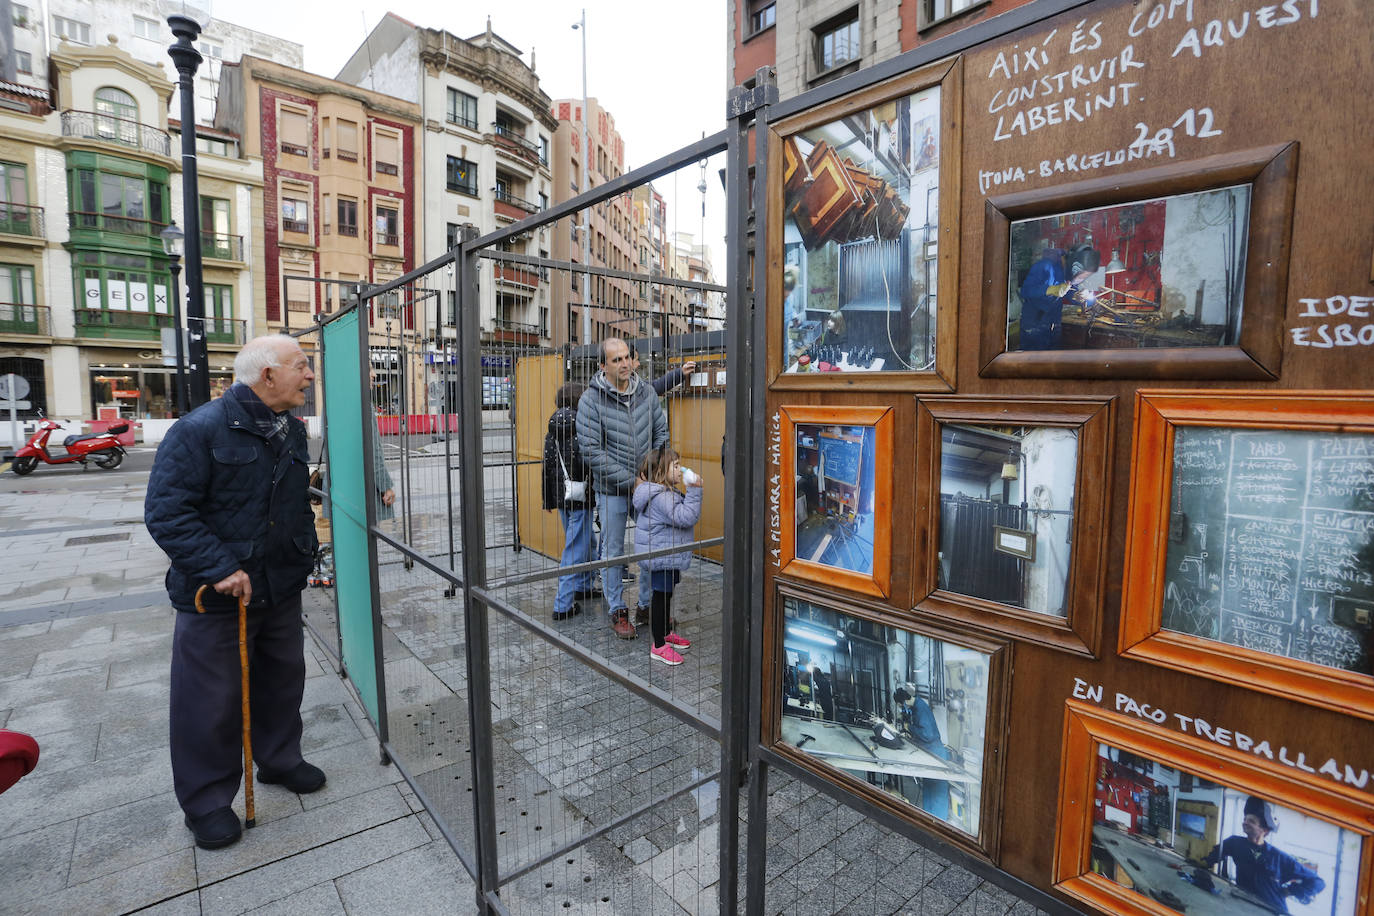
{"x":487,"y":143}
{"x":140,"y":28}
{"x":89,"y":177}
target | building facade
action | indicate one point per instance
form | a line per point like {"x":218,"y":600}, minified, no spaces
{"x":487,"y":142}
{"x":90,"y":181}
{"x":811,"y":43}
{"x":141,"y":29}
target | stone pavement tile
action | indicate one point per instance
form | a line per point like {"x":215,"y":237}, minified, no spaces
{"x":351,"y":769}
{"x":21,"y":692}
{"x":187,"y":904}
{"x":54,"y":715}
{"x":129,"y":732}
{"x":427,"y":879}
{"x":128,"y":835}
{"x":62,"y":634}
{"x":23,"y":631}
{"x":929,"y":902}
{"x":152,"y":664}
{"x":100,"y":653}
{"x":328,"y":725}
{"x":317,"y":900}
{"x":282,"y":837}
{"x":36,"y":863}
{"x":43,"y":798}
{"x":124,"y":891}
{"x":286,"y":875}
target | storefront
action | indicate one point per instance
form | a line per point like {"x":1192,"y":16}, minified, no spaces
{"x":142,"y":391}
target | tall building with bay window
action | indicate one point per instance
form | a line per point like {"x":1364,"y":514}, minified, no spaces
{"x":487,"y":143}
{"x":88,"y":180}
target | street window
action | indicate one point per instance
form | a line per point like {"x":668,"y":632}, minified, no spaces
{"x":295,"y":215}
{"x":20,"y":15}
{"x":146,"y":28}
{"x":16,"y":286}
{"x":23,"y":62}
{"x":388,"y":226}
{"x":346,"y":135}
{"x":211,"y":48}
{"x":117,"y":203}
{"x":71,"y":30}
{"x":348,"y":216}
{"x":933,"y":11}
{"x":293,"y":131}
{"x":544,"y":150}
{"x":386,"y":153}
{"x":462,"y":176}
{"x":462,"y":109}
{"x":762,"y":15}
{"x":453,"y":236}
{"x":837,"y":42}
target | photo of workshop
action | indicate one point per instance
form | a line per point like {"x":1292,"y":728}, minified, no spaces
{"x":1007,"y":512}
{"x":1200,"y":848}
{"x":1166,"y":272}
{"x":835,"y":495}
{"x":900,"y":710}
{"x":860,"y":226}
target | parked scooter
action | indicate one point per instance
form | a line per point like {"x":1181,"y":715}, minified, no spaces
{"x":102,"y":448}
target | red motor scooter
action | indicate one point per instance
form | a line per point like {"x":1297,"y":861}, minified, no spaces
{"x":102,"y":448}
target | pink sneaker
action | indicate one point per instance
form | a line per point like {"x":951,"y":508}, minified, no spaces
{"x":677,"y":642}
{"x":666,"y":654}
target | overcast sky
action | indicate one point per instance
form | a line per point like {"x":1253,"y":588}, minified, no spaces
{"x":660,"y":70}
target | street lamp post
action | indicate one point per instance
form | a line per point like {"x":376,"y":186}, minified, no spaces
{"x":187,"y":18}
{"x":172,"y":239}
{"x":585,"y":184}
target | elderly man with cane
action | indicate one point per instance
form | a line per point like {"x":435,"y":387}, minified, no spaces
{"x":227,"y":501}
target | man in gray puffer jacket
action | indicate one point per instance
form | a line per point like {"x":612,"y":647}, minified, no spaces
{"x":619,"y":420}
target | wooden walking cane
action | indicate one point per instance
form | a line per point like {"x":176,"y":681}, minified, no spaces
{"x":248,"y":820}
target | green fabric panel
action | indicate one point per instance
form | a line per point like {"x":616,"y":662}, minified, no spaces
{"x":352,"y":570}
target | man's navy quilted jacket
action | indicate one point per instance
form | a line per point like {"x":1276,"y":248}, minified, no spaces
{"x":222,"y":497}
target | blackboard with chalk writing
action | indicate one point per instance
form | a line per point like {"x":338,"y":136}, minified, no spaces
{"x":841,"y":459}
{"x":1271,"y":542}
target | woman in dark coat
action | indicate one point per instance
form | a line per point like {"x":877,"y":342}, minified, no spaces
{"x":563,"y":460}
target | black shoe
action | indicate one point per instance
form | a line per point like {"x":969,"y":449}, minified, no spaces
{"x":215,"y":830}
{"x":302,"y":780}
{"x":641,"y":616}
{"x":590,"y":595}
{"x":571,"y":612}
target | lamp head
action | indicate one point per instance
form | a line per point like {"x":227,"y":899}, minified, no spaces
{"x":173,"y":240}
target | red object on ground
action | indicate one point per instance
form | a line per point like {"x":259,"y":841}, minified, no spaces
{"x":427,"y":423}
{"x":18,"y":757}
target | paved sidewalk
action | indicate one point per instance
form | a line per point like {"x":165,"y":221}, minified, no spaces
{"x":85,"y":642}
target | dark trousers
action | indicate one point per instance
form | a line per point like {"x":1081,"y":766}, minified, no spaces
{"x":206,"y":707}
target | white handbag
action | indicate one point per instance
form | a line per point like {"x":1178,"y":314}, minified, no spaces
{"x":574,"y":491}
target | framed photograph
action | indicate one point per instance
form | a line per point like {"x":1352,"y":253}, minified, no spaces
{"x":1015,"y":517}
{"x":862,"y":249}
{"x":909,"y":715}
{"x":1156,"y":822}
{"x":1179,"y":271}
{"x":1250,"y":541}
{"x":836,"y":496}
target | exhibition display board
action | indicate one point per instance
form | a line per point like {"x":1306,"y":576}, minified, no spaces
{"x":1070,"y":442}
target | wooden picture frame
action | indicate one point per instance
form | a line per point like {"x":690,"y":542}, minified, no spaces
{"x":1087,"y":727}
{"x":1153,"y":524}
{"x":847,"y":199}
{"x":877,"y":581}
{"x":984,"y":841}
{"x":1092,"y":419}
{"x":1272,"y":174}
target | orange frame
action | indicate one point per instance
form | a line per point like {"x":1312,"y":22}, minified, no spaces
{"x":1086,"y":726}
{"x":1158,"y":413}
{"x":879,"y":582}
{"x":1092,"y":418}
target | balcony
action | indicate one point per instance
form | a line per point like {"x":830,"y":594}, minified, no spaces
{"x":510,"y":140}
{"x":512,"y":207}
{"x":106,"y":222}
{"x":296,"y":225}
{"x":90,"y":125}
{"x":121,"y":325}
{"x":385,"y":239}
{"x":222,"y":247}
{"x":455,"y":118}
{"x":24,"y":319}
{"x":515,"y":332}
{"x":226,"y":331}
{"x":386,"y":168}
{"x":513,"y":275}
{"x":21,"y":219}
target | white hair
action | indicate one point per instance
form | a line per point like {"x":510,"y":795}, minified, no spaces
{"x":260,"y":353}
